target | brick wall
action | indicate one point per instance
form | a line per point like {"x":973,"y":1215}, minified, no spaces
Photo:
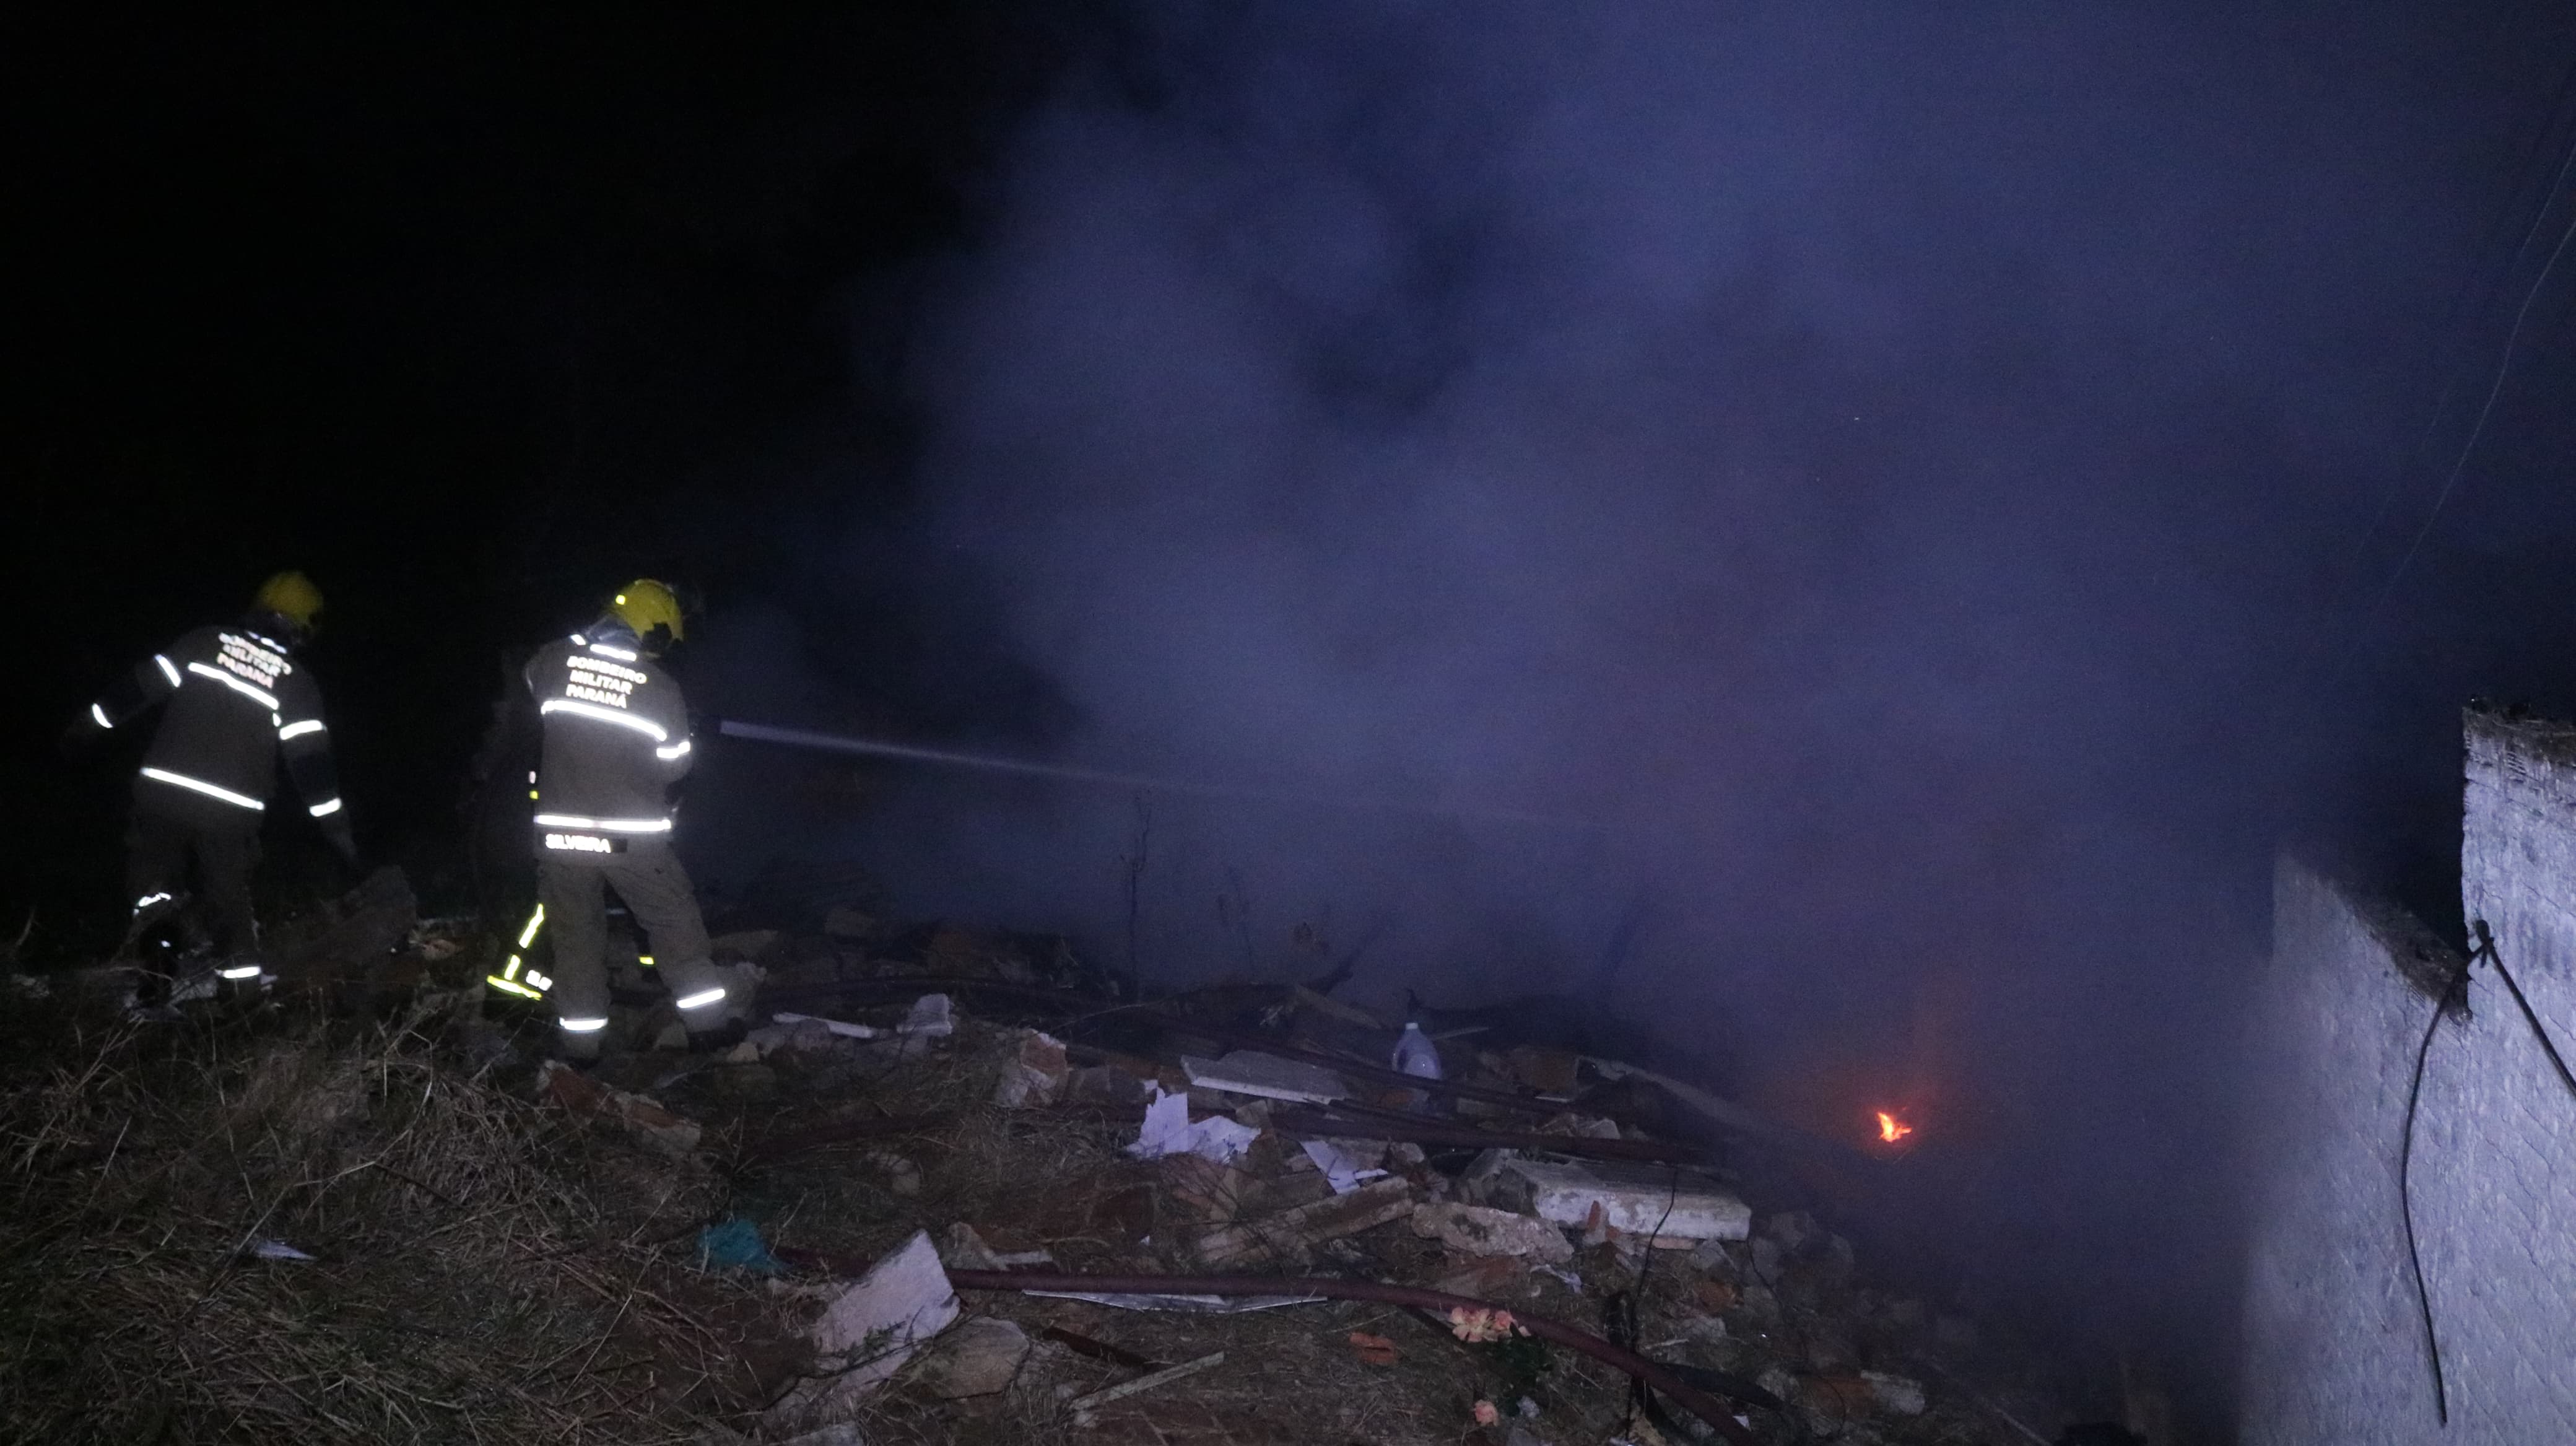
{"x":2334,"y":1349}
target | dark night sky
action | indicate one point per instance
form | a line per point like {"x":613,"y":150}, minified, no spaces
{"x":1929,"y":479}
{"x":471,"y":317}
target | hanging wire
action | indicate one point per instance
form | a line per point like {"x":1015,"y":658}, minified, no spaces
{"x":2477,"y":429}
{"x":2463,"y":311}
{"x":2540,"y":1031}
{"x":2452,"y":993}
{"x":2328,"y":624}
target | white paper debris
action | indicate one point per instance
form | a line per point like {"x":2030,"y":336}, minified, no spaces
{"x":1168,"y":1131}
{"x":1342,"y":1172}
{"x":278,"y":1250}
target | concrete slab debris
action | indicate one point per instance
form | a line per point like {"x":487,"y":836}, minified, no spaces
{"x":1632,"y":1199}
{"x":979,"y":1357}
{"x":870,"y":1330}
{"x":1250,"y":1072}
{"x":931,"y":1015}
{"x":1480,"y":1230}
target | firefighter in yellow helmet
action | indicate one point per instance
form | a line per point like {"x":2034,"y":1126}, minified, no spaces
{"x":234,"y":700}
{"x":616,"y":739}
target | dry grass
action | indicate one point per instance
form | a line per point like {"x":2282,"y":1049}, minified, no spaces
{"x":493,"y":1270}
{"x":487,"y":1270}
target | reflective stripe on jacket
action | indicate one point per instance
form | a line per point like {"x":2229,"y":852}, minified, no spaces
{"x":232,"y":699}
{"x":616,"y":738}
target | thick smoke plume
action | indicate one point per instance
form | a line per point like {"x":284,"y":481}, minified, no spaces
{"x":1875,"y":466}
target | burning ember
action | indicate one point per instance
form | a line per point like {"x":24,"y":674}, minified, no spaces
{"x":1891,"y":1129}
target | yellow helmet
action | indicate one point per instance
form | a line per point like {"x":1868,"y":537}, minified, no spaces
{"x":644,"y":605}
{"x":292,"y":596}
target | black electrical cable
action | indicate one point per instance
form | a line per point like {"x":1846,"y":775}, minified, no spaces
{"x":2486,"y":946}
{"x":2451,"y":993}
{"x":1639,"y":1398}
{"x":2406,"y":1195}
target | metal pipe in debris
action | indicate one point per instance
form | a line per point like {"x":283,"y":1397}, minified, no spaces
{"x":1699,"y":1402}
{"x":1716,"y":1412}
{"x":1104,"y":778}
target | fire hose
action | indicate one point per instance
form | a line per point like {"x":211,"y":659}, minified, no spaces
{"x":1104,"y":778}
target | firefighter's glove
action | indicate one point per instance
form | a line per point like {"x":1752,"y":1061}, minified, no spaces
{"x":336,"y":833}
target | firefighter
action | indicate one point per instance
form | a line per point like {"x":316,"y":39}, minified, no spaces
{"x":235,"y":699}
{"x":616,"y":740}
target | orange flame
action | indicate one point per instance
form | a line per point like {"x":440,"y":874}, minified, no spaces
{"x":1891,"y":1129}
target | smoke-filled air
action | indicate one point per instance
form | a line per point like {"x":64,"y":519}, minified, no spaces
{"x":1833,"y":558}
{"x":1801,"y":530}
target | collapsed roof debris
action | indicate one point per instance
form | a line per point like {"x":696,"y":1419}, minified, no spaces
{"x":958,"y":1187}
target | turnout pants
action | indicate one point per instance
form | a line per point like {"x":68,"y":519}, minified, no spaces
{"x":160,"y":846}
{"x":648,"y":877}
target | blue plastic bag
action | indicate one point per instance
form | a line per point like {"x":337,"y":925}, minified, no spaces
{"x":734,"y":1241}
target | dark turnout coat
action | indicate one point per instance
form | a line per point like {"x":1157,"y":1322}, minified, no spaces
{"x":616,"y":739}
{"x":233,"y":702}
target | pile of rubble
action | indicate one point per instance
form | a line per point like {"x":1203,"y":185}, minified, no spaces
{"x":958,"y":1186}
{"x":1027,"y":1211}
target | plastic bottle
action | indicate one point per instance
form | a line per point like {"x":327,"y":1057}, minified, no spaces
{"x":1415,"y":1054}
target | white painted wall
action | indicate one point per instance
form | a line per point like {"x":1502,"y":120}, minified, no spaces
{"x":2334,"y":1352}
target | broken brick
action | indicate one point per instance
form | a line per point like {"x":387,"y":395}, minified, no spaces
{"x":1033,"y":1077}
{"x":1373,"y":1204}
